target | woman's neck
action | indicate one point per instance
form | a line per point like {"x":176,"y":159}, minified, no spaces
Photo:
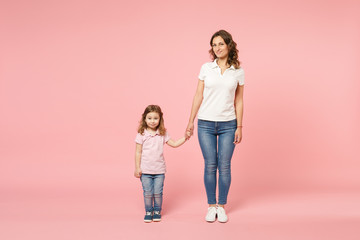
{"x":222,"y":62}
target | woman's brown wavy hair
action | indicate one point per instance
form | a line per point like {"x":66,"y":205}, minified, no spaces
{"x":233,"y":52}
{"x":142,"y":123}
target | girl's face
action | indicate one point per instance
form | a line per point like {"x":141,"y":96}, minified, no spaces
{"x":219,"y":47}
{"x":152,"y":120}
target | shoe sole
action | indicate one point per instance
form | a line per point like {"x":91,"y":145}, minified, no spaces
{"x":157,"y":220}
{"x":223,"y":221}
{"x":210,"y":221}
{"x":148,"y":221}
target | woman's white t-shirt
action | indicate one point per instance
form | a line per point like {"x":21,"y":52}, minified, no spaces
{"x":219,"y":92}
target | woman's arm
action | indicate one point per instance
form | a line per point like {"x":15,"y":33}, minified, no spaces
{"x":138,"y":152}
{"x":176,"y":143}
{"x":239,"y":108}
{"x":195,"y":108}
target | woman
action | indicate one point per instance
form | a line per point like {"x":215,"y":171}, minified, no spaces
{"x":218,"y":102}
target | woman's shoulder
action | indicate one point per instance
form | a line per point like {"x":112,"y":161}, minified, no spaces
{"x":239,"y":70}
{"x":207,"y":64}
{"x":206,"y":67}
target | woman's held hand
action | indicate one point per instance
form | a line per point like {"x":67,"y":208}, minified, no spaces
{"x":189,"y":130}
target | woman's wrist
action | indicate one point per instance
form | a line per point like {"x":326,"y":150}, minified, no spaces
{"x":239,"y":126}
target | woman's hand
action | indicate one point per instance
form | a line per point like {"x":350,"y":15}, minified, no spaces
{"x":137,"y":173}
{"x":238,"y":135}
{"x":189,"y":130}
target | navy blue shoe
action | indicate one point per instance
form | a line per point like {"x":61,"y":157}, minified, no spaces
{"x":157,"y":216}
{"x":148,"y":217}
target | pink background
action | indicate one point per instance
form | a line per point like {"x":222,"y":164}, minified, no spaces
{"x":75,"y":77}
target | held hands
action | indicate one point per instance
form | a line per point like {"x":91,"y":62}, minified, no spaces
{"x":189,"y":131}
{"x":137,"y":173}
{"x":238,"y":136}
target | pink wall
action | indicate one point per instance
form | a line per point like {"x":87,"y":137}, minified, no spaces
{"x":75,"y":77}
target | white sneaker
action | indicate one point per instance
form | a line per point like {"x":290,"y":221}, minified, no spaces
{"x":221,"y":215}
{"x":211,"y":214}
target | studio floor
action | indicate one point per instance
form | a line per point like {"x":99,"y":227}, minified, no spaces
{"x":51,"y":214}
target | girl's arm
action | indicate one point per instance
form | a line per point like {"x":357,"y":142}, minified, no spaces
{"x":239,"y":107}
{"x":138,"y":151}
{"x":176,"y":143}
{"x":195,"y":108}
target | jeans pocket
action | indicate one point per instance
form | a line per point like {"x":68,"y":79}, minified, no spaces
{"x":205,"y":124}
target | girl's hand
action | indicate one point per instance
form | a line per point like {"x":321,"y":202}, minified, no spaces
{"x":137,"y":173}
{"x":189,"y":130}
{"x":238,"y":135}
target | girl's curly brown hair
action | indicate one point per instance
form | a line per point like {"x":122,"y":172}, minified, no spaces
{"x":160,"y":127}
{"x":233,"y":52}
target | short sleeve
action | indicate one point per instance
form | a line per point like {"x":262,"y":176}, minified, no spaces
{"x":139,"y":139}
{"x":202,"y":73}
{"x":241,"y":77}
{"x":166,"y":137}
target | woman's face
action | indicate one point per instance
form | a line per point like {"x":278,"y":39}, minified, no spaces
{"x":219,"y":47}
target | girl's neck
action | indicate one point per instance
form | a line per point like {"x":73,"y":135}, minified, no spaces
{"x":152,"y":131}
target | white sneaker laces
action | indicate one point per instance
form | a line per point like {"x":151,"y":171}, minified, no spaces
{"x":221,"y":210}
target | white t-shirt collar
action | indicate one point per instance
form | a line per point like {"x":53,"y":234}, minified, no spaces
{"x":215,"y":65}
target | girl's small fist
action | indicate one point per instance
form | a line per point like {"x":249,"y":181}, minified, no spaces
{"x":137,"y":173}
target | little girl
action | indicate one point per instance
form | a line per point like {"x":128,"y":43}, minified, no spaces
{"x":149,"y":159}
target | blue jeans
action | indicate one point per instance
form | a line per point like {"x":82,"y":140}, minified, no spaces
{"x":153,"y":191}
{"x":217,"y":145}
